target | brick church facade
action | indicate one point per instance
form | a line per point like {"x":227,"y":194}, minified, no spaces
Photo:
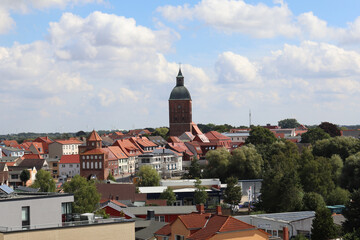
{"x":180,"y":109}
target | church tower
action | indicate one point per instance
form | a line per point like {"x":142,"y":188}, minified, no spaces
{"x":180,"y":112}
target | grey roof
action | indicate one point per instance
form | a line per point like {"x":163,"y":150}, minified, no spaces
{"x":162,"y":209}
{"x":8,"y":159}
{"x":284,"y":217}
{"x":148,"y":232}
{"x":26,"y":189}
{"x":12,"y":149}
{"x":338,"y":219}
{"x":180,"y":93}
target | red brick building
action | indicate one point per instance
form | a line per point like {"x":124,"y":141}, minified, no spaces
{"x":180,"y":108}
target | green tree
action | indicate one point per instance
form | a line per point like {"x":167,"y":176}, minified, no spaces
{"x":232,"y":194}
{"x":200,"y":195}
{"x":161,"y":131}
{"x":343,"y":146}
{"x":313,"y":135}
{"x":313,"y":201}
{"x":352,"y":213}
{"x":148,"y":176}
{"x":330,"y":128}
{"x":316,"y":176}
{"x":246,"y":163}
{"x":323,"y":227}
{"x":86,"y":196}
{"x":24,"y":176}
{"x":169,"y":195}
{"x":260,"y":135}
{"x":281,"y":189}
{"x":44,"y":181}
{"x":289,"y":123}
{"x":194,"y":170}
{"x":338,"y":196}
{"x":355,"y":235}
{"x":218,"y":162}
{"x":350,"y":177}
{"x":111,"y":177}
{"x":337,"y":167}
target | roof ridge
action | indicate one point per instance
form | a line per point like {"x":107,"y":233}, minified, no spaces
{"x":222,"y":226}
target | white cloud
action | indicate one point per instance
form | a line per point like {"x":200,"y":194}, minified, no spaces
{"x":229,"y":16}
{"x":235,"y":69}
{"x":6,"y":22}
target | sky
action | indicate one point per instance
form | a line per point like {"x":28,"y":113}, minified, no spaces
{"x":71,"y":65}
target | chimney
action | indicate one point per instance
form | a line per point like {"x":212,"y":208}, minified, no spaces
{"x":218,"y":210}
{"x":150,"y":215}
{"x":285,"y":233}
{"x":200,"y":208}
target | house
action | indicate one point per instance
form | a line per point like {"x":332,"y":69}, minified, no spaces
{"x":4,"y":173}
{"x":216,"y":137}
{"x":145,"y":228}
{"x":120,"y":192}
{"x":186,"y":137}
{"x":45,"y":143}
{"x":122,"y":159}
{"x":34,"y":163}
{"x":165,"y":161}
{"x":12,"y":152}
{"x":138,"y":132}
{"x":355,"y":133}
{"x":238,"y":136}
{"x":145,"y":144}
{"x":161,"y":213}
{"x":284,"y":225}
{"x":132,"y":150}
{"x":14,"y":175}
{"x":38,"y":148}
{"x":42,"y":216}
{"x":199,"y":226}
{"x":64,"y":147}
{"x":95,"y":161}
{"x":69,"y":165}
{"x":9,"y":143}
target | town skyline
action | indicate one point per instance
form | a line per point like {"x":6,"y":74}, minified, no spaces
{"x":96,"y":64}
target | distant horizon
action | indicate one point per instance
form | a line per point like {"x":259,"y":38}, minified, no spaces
{"x":105,"y":64}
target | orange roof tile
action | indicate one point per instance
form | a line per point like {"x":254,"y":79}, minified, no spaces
{"x":75,"y":158}
{"x":164,"y":231}
{"x":31,"y":156}
{"x":69,"y":141}
{"x":116,"y":150}
{"x":94,"y":136}
{"x":145,"y":142}
{"x":194,"y":220}
{"x":95,"y":151}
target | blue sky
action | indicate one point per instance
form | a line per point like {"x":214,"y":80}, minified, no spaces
{"x":101,"y":64}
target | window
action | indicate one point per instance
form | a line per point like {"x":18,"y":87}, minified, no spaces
{"x":91,"y":157}
{"x":100,"y":165}
{"x":87,"y":165}
{"x":96,"y":165}
{"x":63,"y":165}
{"x":54,"y":164}
{"x":83,"y":165}
{"x":25,"y":217}
{"x":87,"y":157}
{"x":95,"y":156}
{"x":160,"y":218}
{"x":15,"y":176}
{"x":71,"y":165}
{"x":92,"y":165}
{"x":179,"y":237}
{"x":54,"y":171}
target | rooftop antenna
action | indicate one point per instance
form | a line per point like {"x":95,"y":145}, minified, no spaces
{"x":249,"y":118}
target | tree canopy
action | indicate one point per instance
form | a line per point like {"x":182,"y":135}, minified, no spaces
{"x":232,"y":194}
{"x":169,"y":195}
{"x":194,"y":169}
{"x":246,"y":163}
{"x":350,"y":177}
{"x":260,"y":135}
{"x":313,"y":135}
{"x":161,"y":131}
{"x":352,"y":213}
{"x":343,"y":146}
{"x":289,"y":123}
{"x":200,"y":195}
{"x":25,"y":176}
{"x":218,"y":162}
{"x":330,"y":128}
{"x":148,"y":176}
{"x":323,"y":227}
{"x":44,"y":181}
{"x":313,"y":201}
{"x":86,"y":196}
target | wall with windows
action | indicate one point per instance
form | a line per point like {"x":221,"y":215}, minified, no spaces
{"x":42,"y":209}
{"x":69,"y":169}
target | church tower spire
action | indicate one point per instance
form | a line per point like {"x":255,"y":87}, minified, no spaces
{"x":180,"y":78}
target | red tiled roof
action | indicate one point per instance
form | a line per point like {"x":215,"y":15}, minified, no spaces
{"x":195,"y":129}
{"x":143,"y":141}
{"x":214,"y":135}
{"x":31,"y":156}
{"x":95,"y":151}
{"x":126,"y":146}
{"x":11,"y":143}
{"x":138,"y":131}
{"x":37,"y":146}
{"x":219,"y":224}
{"x":164,"y":231}
{"x":173,"y":139}
{"x":116,"y":150}
{"x":94,"y":136}
{"x":69,"y":141}
{"x":43,"y":139}
{"x":75,"y":158}
{"x":194,"y":220}
{"x":25,"y":145}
